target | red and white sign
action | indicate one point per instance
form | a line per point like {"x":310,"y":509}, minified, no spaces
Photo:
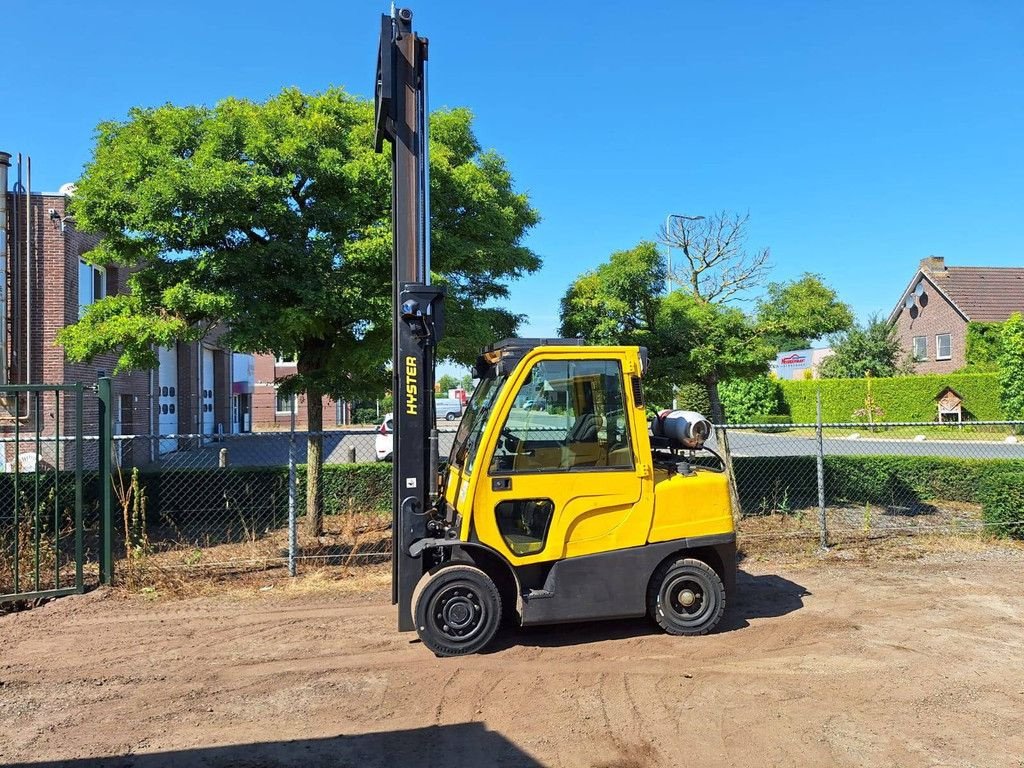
{"x":793,"y":359}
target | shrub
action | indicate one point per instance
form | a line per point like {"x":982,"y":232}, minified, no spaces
{"x":784,"y":422}
{"x":982,"y":349}
{"x":744,"y":399}
{"x":901,"y":398}
{"x":1002,"y":504}
{"x":364,"y":415}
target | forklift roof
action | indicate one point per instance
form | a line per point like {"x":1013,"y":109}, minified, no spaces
{"x":502,"y":356}
{"x":526,"y":344}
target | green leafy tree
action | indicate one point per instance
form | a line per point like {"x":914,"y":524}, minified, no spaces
{"x":447,"y":382}
{"x":618,"y":302}
{"x":794,"y":315}
{"x":1011,"y":367}
{"x":694,"y":333}
{"x":707,"y":343}
{"x":870,"y":350}
{"x":272,"y":220}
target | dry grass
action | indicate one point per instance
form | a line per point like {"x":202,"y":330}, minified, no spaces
{"x":353,"y":554}
{"x":49,"y":558}
{"x":795,"y":540}
{"x":348,"y":557}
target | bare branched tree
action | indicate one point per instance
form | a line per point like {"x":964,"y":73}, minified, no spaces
{"x":715,"y":264}
{"x":715,"y":267}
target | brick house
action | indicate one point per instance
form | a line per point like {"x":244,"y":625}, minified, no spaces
{"x":939,"y":301}
{"x":46,"y":286}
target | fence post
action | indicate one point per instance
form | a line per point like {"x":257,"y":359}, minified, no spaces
{"x":104,"y":391}
{"x":822,"y":523}
{"x":292,"y":523}
{"x":79,"y":466}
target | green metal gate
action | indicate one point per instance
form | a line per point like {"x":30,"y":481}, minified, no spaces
{"x":42,"y":531}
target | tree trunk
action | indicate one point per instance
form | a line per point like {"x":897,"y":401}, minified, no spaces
{"x":314,"y":462}
{"x":722,"y":438}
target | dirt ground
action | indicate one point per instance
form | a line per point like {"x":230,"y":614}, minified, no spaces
{"x":819,"y":663}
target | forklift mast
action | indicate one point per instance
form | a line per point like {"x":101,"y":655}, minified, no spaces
{"x":401,"y":117}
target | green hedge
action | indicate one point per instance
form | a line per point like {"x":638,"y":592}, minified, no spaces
{"x":55,"y":491}
{"x":257,"y":497}
{"x":227,"y":502}
{"x":1002,"y":504}
{"x":902,"y":398}
{"x":790,"y":482}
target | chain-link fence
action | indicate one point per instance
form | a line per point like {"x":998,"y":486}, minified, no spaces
{"x":839,"y":482}
{"x":229,"y":504}
{"x":240,"y":503}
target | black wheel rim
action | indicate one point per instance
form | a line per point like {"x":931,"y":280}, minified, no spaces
{"x":688,"y":600}
{"x":457,"y":613}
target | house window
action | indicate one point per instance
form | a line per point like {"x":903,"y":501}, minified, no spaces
{"x":286,"y":403}
{"x":920,"y":348}
{"x":92,"y":285}
{"x":943,"y":346}
{"x":287,"y":358}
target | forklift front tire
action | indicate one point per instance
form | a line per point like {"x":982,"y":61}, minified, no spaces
{"x":686,"y":597}
{"x":457,"y":610}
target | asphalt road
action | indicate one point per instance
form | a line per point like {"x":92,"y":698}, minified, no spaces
{"x":271,"y":449}
{"x":782,"y":444}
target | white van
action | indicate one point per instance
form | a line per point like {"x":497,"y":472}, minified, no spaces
{"x":448,"y":408}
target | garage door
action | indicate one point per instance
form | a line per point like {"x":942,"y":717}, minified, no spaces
{"x":167,"y":402}
{"x":207,"y":399}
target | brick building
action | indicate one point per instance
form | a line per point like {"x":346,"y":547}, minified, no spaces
{"x":46,"y":286}
{"x":939,"y":301}
{"x":273,"y":411}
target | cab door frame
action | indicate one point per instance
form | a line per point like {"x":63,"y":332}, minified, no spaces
{"x":624,"y":495}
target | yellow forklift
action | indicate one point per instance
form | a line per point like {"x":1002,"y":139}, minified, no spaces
{"x":559,"y":501}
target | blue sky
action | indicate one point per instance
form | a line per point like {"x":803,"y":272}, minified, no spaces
{"x":861,"y":136}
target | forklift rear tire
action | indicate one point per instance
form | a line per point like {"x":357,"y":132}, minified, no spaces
{"x":686,"y":597}
{"x":457,"y":610}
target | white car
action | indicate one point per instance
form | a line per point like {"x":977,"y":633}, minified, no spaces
{"x":384,"y":443}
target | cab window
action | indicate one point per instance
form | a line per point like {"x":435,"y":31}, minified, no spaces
{"x":524,"y":524}
{"x":566,"y":416}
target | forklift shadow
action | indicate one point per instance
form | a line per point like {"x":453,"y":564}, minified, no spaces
{"x":762,"y":597}
{"x":438,"y":745}
{"x":758,"y":597}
